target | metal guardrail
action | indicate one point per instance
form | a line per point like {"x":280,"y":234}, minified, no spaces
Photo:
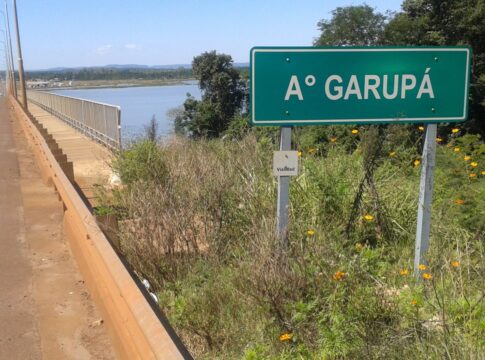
{"x":101,"y":122}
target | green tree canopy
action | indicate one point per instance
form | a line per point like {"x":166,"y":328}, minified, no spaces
{"x":421,"y":22}
{"x":352,"y":25}
{"x":223,"y":94}
{"x":451,"y":22}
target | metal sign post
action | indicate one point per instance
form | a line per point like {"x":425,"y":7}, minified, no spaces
{"x":283,"y":192}
{"x":425,"y":197}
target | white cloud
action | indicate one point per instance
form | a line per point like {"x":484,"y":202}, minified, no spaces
{"x":131,"y":46}
{"x":105,"y":49}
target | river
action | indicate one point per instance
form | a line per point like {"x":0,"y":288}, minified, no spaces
{"x":140,"y":104}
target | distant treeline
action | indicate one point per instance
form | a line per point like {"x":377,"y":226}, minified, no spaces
{"x":107,"y":73}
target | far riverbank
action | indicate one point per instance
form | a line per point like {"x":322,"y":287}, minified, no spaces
{"x":108,"y":84}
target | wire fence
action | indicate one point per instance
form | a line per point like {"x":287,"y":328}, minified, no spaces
{"x":101,"y":122}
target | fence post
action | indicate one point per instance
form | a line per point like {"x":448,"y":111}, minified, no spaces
{"x":119,"y":128}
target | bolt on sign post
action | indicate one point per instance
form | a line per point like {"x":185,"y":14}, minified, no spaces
{"x":293,"y":86}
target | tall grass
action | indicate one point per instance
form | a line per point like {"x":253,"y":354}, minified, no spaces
{"x":198,"y":220}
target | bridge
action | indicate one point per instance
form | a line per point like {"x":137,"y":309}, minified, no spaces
{"x":65,"y":290}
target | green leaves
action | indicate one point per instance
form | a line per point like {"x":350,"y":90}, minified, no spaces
{"x":222,"y":96}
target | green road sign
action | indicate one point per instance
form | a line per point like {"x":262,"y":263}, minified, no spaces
{"x":359,"y":85}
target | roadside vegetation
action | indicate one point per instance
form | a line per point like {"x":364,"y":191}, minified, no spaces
{"x":198,"y":221}
{"x":197,"y":218}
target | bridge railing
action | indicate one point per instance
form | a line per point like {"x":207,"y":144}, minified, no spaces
{"x":101,"y":122}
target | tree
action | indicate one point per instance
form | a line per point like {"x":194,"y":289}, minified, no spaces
{"x":451,"y":22}
{"x":352,"y":25}
{"x":223,"y":94}
{"x":151,"y":130}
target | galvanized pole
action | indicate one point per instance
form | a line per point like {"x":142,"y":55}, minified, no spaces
{"x":283,"y":192}
{"x":9,"y":78}
{"x":12,"y":64}
{"x":7,"y":65}
{"x":425,"y":197}
{"x":21,"y":62}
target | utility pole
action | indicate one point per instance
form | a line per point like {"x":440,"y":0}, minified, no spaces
{"x":7,"y":65}
{"x":13,"y":83}
{"x":21,"y":62}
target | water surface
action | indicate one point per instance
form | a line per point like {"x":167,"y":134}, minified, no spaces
{"x":140,"y":104}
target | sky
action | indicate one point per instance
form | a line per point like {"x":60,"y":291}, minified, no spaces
{"x":71,"y":33}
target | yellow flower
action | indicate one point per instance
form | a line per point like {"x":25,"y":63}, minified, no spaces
{"x":368,"y":217}
{"x":438,"y":139}
{"x":355,"y":131}
{"x":422,"y":267}
{"x":299,"y":153}
{"x":286,"y":337}
{"x":457,"y":149}
{"x":339,"y":275}
{"x":472,"y":175}
{"x":455,"y":263}
{"x":459,"y":202}
{"x":404,"y":272}
{"x":467,"y":158}
{"x":417,"y":162}
{"x":455,"y":130}
{"x":427,"y":276}
{"x":392,"y":154}
{"x":421,"y":128}
{"x":310,"y":232}
{"x":312,"y":151}
{"x":414,"y":302}
{"x":483,"y":173}
{"x":474,"y":164}
{"x":359,"y":246}
{"x":333,"y":139}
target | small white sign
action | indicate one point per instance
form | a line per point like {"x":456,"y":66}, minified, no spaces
{"x":285,"y":163}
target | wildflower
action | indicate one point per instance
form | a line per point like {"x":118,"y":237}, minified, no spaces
{"x":427,"y":276}
{"x":438,"y":139}
{"x":333,"y":139}
{"x":414,"y":302}
{"x":417,"y":162}
{"x":310,"y":232}
{"x":421,"y":128}
{"x":359,"y":246}
{"x":286,"y":337}
{"x":392,"y":154}
{"x":455,"y":264}
{"x":483,"y":173}
{"x":472,"y":175}
{"x":368,"y":217}
{"x":459,"y":201}
{"x":455,"y":130}
{"x":312,"y":151}
{"x":404,"y":272}
{"x":355,"y":131}
{"x":299,"y":153}
{"x":474,"y":164}
{"x":339,"y":275}
{"x":467,"y":158}
{"x":457,"y":149}
{"x":422,"y":267}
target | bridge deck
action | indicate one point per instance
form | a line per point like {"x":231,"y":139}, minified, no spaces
{"x":45,"y":310}
{"x":90,"y":159}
